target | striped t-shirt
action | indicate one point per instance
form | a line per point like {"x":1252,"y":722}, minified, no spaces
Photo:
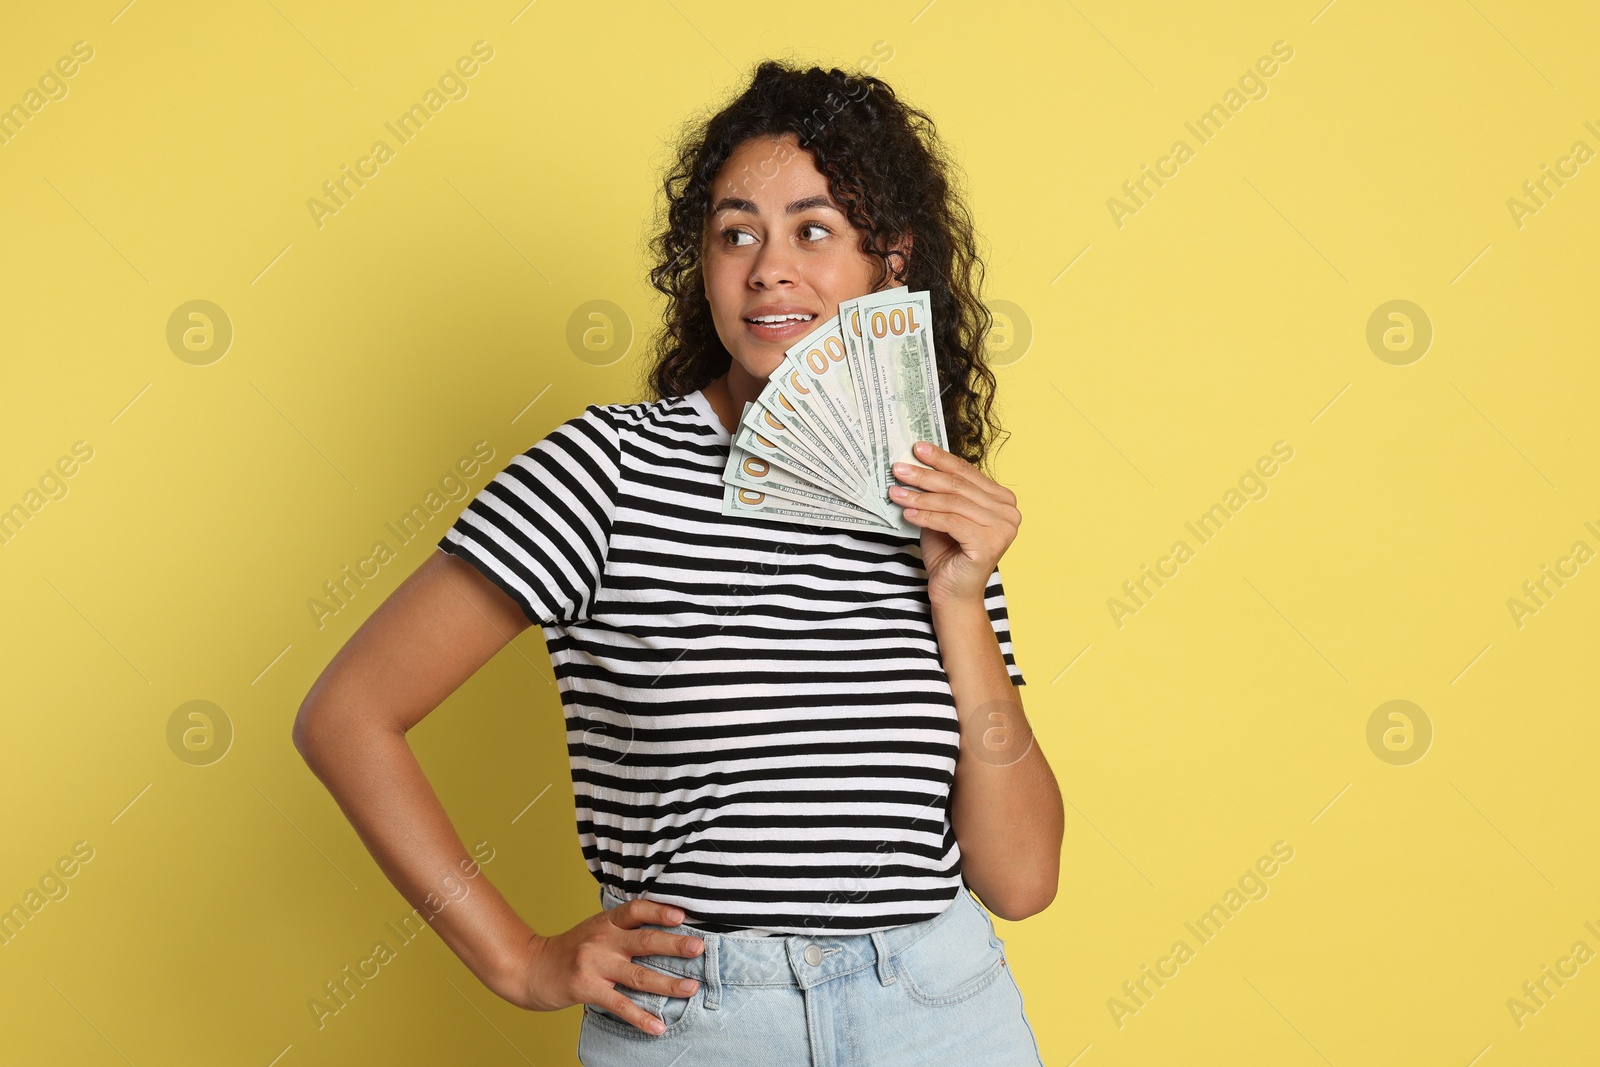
{"x":759,"y":726}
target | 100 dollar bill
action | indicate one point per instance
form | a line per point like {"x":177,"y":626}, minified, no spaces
{"x":889,"y":343}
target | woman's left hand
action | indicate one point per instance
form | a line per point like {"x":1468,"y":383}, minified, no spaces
{"x":968,"y":521}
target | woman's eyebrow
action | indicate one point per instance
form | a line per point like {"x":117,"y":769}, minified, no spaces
{"x":734,"y":203}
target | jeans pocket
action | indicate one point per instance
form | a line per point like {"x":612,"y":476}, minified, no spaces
{"x":674,"y":1011}
{"x":958,"y":958}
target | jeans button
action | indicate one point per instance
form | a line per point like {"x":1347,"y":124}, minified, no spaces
{"x":813,"y":955}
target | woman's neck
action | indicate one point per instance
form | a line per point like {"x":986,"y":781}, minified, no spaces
{"x":730,"y":393}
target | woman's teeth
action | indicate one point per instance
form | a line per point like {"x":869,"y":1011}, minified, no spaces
{"x":775,"y":320}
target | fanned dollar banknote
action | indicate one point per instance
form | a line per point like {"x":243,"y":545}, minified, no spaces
{"x":848,"y":401}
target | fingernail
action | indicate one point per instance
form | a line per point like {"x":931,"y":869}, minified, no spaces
{"x":686,"y":985}
{"x":657,"y":1026}
{"x":675,"y":915}
{"x":924,"y":448}
{"x":902,"y":469}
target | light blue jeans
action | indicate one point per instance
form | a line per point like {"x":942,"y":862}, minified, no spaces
{"x":934,"y":992}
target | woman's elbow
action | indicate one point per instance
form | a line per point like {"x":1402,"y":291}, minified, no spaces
{"x":327,"y":715}
{"x":302,"y":734}
{"x":311,"y":733}
{"x":1020,"y":902}
{"x":1024,"y":907}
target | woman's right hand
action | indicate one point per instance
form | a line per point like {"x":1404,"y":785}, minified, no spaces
{"x":585,"y":964}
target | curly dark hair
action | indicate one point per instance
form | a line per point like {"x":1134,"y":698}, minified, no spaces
{"x":889,"y":173}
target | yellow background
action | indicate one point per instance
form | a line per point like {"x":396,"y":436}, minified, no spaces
{"x":1168,"y":354}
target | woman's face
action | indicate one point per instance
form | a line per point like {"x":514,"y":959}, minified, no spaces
{"x":777,"y":247}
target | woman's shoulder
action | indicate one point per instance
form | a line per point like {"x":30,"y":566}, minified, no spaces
{"x":671,"y":431}
{"x":669,"y":420}
{"x":640,"y":412}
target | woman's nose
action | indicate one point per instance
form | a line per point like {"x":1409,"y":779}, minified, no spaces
{"x":774,"y":265}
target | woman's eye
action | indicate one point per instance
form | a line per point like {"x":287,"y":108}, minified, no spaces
{"x":730,"y":237}
{"x":819,"y":227}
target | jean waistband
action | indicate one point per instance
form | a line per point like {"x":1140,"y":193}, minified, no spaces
{"x":797,"y":960}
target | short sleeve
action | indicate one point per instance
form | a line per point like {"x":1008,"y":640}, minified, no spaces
{"x":994,"y":602}
{"x":540,"y":528}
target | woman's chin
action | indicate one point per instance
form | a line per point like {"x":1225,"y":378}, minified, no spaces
{"x":759,"y":365}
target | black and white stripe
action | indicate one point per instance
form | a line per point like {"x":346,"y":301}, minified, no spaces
{"x":759,"y":725}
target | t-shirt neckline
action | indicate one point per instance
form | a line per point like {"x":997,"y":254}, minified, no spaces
{"x":708,"y":415}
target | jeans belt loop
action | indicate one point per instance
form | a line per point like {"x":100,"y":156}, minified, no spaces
{"x":712,"y":978}
{"x":886,"y":975}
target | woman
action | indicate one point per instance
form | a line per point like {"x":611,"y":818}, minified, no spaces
{"x":797,"y":753}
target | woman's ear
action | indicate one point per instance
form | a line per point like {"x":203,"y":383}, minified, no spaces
{"x":900,"y":258}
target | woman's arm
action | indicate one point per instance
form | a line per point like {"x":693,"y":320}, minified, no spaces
{"x":1005,"y":805}
{"x":443,"y":622}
